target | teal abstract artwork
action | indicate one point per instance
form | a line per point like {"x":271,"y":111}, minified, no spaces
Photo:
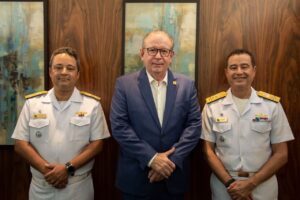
{"x":21,"y":59}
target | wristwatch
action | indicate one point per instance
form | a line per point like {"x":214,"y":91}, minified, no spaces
{"x":228,"y":183}
{"x":70,"y":168}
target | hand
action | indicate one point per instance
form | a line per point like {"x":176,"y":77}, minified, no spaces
{"x":154,"y":176}
{"x":241,"y":190}
{"x":57,"y":176}
{"x":162,"y":164}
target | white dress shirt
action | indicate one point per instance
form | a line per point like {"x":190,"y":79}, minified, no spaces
{"x":159,"y":93}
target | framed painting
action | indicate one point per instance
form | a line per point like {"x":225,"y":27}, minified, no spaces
{"x":178,"y":18}
{"x":23,"y":58}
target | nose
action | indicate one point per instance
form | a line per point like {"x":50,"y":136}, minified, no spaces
{"x":239,"y":70}
{"x":64,"y":70}
{"x":158,"y":55}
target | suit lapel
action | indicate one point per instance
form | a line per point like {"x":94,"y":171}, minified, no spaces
{"x":146,"y":92}
{"x":170,"y":98}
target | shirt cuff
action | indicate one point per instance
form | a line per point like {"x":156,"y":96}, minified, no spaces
{"x":150,"y":162}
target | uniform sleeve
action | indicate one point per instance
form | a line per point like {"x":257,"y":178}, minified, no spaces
{"x":99,"y":129}
{"x":281,"y":130}
{"x":207,"y":126}
{"x":21,"y":131}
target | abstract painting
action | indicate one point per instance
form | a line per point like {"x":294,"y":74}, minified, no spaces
{"x":22,"y":59}
{"x":177,"y":19}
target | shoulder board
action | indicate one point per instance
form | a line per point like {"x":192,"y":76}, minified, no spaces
{"x":35,"y":94}
{"x":268,"y":96}
{"x":216,"y":97}
{"x":90,"y":95}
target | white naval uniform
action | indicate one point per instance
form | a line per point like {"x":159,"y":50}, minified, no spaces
{"x":243,"y":141}
{"x":59,"y":133}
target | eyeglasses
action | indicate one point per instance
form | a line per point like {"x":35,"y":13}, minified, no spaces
{"x":163,"y":52}
{"x":60,"y":67}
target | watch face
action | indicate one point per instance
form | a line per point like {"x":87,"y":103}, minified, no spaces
{"x":70,"y":168}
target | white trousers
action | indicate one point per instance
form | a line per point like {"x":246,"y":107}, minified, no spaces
{"x":81,"y":190}
{"x":267,"y":190}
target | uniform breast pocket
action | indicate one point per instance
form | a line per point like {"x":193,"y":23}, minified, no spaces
{"x":221,"y":127}
{"x":80,"y":127}
{"x":261,"y":127}
{"x":223,"y":134}
{"x":39,"y":130}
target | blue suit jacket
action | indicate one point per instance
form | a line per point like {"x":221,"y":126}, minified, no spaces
{"x":135,"y":126}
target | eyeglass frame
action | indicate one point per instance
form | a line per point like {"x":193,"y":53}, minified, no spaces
{"x":170,"y":51}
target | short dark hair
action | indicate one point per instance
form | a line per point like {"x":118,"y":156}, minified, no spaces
{"x":239,"y":52}
{"x":67,"y":50}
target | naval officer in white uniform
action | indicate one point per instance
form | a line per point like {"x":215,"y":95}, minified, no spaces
{"x":245,"y":134}
{"x":59,"y":132}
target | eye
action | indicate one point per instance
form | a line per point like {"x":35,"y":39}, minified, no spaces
{"x":58,"y":67}
{"x":152,"y":50}
{"x":232,"y":67}
{"x":164,"y":51}
{"x":71,"y":68}
{"x":245,"y":66}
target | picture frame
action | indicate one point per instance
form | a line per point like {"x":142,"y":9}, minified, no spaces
{"x":179,"y":18}
{"x":23,"y":58}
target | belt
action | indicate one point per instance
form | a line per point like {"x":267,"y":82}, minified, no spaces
{"x":241,"y":173}
{"x":71,"y":180}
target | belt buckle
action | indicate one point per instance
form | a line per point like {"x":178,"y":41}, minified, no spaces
{"x":243,"y":174}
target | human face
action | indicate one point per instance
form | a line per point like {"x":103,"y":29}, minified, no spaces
{"x":240,"y":72}
{"x":157,"y":65}
{"x":64,"y":72}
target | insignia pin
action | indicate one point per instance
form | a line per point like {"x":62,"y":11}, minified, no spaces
{"x":38,"y":134}
{"x":222,"y":139}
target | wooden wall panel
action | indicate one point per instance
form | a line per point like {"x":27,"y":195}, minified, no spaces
{"x":269,"y":28}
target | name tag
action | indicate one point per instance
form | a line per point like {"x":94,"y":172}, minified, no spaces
{"x":222,"y":119}
{"x":39,"y":116}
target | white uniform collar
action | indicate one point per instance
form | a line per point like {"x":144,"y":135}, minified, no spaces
{"x":75,"y":97}
{"x":253,"y":98}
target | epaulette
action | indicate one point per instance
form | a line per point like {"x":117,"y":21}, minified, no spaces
{"x":90,"y":95}
{"x":35,"y":94}
{"x":268,"y":96}
{"x":216,"y":97}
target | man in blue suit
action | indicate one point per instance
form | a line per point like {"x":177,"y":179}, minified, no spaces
{"x":155,"y":118}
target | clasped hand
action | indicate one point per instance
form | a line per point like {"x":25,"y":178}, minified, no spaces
{"x":56,"y":175}
{"x":241,"y":190}
{"x":161,"y":167}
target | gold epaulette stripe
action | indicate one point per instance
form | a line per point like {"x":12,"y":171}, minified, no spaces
{"x":90,"y":95}
{"x":216,"y":97}
{"x":268,"y":96}
{"x":35,"y":94}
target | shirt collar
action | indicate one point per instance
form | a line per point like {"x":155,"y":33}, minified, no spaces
{"x":75,"y":97}
{"x":151,"y":79}
{"x":253,"y":98}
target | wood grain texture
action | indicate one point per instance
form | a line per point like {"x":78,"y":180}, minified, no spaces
{"x":268,"y":28}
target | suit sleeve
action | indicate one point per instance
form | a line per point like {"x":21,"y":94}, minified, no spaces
{"x":123,"y":132}
{"x":191,"y":133}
